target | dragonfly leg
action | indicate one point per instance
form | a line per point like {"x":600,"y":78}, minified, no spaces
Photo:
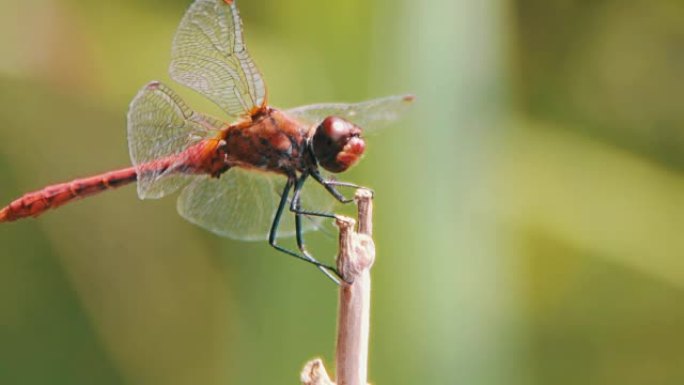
{"x":302,"y":247}
{"x":330,"y":186}
{"x":347,"y":184}
{"x":273,"y":234}
{"x":295,"y":206}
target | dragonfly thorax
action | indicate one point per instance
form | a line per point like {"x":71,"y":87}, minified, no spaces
{"x":337,"y":144}
{"x":271,"y":141}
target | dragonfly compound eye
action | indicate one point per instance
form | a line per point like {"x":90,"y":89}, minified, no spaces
{"x":337,"y":144}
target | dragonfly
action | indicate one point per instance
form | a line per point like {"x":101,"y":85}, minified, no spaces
{"x":238,"y":175}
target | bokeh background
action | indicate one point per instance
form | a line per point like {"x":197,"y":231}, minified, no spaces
{"x":529,"y":210}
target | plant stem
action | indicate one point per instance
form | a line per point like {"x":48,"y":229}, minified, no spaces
{"x":356,"y":257}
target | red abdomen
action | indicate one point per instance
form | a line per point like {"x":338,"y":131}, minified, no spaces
{"x":200,"y":158}
{"x":37,"y":202}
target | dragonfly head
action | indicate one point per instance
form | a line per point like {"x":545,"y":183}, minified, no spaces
{"x":337,"y":144}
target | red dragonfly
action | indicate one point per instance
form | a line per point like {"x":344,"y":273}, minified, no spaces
{"x":261,"y":161}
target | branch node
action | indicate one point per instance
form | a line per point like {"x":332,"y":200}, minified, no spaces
{"x":314,"y":374}
{"x":357,"y":251}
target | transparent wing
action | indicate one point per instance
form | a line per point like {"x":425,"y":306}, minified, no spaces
{"x":160,"y":126}
{"x":241,"y":204}
{"x":210,"y":56}
{"x":369,"y":115}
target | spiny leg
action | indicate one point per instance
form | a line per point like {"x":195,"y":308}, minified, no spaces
{"x":300,"y":244}
{"x":330,"y":186}
{"x":273,"y":234}
{"x":296,"y":198}
{"x":345,"y":184}
{"x":295,"y":206}
{"x":296,"y":202}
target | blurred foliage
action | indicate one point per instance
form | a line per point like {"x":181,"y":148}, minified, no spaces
{"x":610,"y":68}
{"x":528,"y":211}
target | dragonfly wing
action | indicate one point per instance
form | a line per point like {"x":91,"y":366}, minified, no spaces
{"x":369,"y":115}
{"x":241,"y":204}
{"x":161,"y":125}
{"x":210,"y":56}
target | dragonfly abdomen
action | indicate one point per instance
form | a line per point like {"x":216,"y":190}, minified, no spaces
{"x":37,"y":202}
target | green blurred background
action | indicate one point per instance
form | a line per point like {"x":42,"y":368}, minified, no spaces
{"x":528,"y":217}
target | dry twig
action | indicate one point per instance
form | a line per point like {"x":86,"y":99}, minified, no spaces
{"x":356,"y":257}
